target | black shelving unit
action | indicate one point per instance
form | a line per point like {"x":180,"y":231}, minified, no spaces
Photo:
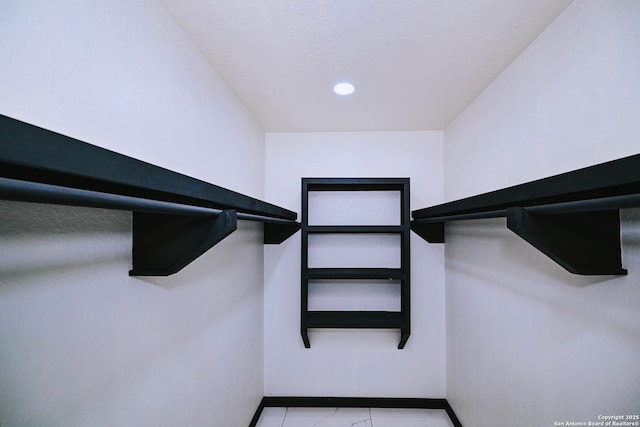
{"x":357,"y":319}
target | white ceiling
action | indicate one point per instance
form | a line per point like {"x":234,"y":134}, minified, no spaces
{"x":415,"y":63}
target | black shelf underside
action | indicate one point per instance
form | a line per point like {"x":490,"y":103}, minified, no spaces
{"x":355,"y":184}
{"x":573,"y":217}
{"x":38,"y":165}
{"x":355,"y":273}
{"x":355,"y":229}
{"x":355,"y":319}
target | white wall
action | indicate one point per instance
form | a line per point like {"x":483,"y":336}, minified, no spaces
{"x":353,"y":362}
{"x":81,"y":343}
{"x":528,"y":343}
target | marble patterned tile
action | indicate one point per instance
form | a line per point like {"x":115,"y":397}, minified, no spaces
{"x":410,"y":418}
{"x":272,"y":417}
{"x":327,"y":417}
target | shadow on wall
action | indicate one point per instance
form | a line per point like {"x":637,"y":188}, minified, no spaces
{"x":61,"y":248}
{"x":39,"y":239}
{"x":487,"y":254}
{"x":515,"y":250}
{"x":85,"y":339}
{"x":630,"y":235}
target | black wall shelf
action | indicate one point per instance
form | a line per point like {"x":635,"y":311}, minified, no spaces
{"x":176,"y":218}
{"x":357,"y":319}
{"x":573,"y":217}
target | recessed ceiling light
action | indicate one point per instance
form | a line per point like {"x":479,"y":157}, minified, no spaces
{"x":344,"y":88}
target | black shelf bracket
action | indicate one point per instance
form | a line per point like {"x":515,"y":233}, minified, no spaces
{"x":431,"y":232}
{"x":276,"y":233}
{"x":176,"y":218}
{"x":164,"y":244}
{"x":586,"y":243}
{"x":573,"y":217}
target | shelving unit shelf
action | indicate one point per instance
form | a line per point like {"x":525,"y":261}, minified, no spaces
{"x":357,"y":319}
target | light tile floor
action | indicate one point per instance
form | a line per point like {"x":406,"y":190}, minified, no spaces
{"x":353,"y":417}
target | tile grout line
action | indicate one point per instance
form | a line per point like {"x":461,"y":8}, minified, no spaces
{"x":327,"y":417}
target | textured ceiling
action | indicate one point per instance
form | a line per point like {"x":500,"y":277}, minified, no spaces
{"x":416,"y":64}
